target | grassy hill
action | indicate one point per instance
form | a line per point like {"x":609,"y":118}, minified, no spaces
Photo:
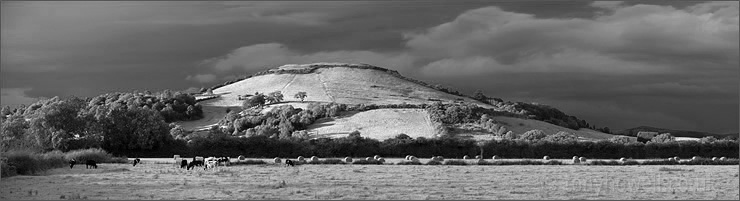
{"x":336,"y":84}
{"x":357,"y":84}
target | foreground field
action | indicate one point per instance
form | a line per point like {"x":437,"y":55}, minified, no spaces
{"x":154,"y":180}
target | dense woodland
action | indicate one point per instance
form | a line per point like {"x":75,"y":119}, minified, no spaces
{"x":116,"y":122}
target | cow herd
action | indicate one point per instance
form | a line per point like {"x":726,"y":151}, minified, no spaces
{"x":206,"y":163}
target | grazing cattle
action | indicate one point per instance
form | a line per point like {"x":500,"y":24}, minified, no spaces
{"x":183,"y":163}
{"x":137,"y":161}
{"x":91,"y":164}
{"x":72,"y":163}
{"x":210,"y":164}
{"x":289,"y":162}
{"x":194,"y":163}
{"x":224,"y":160}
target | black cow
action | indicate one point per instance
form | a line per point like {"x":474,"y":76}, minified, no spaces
{"x":224,"y":160}
{"x":183,"y":163}
{"x":72,"y":163}
{"x":288,"y":162}
{"x":137,"y":161}
{"x":91,"y":164}
{"x":194,"y":163}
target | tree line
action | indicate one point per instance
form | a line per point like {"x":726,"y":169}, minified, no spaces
{"x":114,"y":121}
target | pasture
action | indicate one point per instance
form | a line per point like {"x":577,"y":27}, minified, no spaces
{"x":160,"y":179}
{"x":378,"y":124}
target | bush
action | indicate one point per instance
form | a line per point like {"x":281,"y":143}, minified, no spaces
{"x":54,"y":159}
{"x":29,"y":163}
{"x":82,"y":155}
{"x":659,"y":162}
{"x":119,"y":160}
{"x":249,"y":162}
{"x":702,"y":161}
{"x":7,"y":170}
{"x":326,"y":161}
{"x":409,"y":163}
{"x":366,"y":162}
{"x":433,"y":162}
{"x":601,"y":162}
{"x":455,"y":162}
{"x":521,"y":162}
{"x":332,"y":161}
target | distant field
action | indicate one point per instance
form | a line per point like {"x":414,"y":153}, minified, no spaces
{"x":271,"y":181}
{"x":520,"y":126}
{"x":211,"y":116}
{"x":378,"y":124}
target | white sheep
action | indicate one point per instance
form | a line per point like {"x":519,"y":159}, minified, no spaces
{"x":381,"y":160}
{"x":301,"y":159}
{"x":478,"y":157}
{"x":314,"y":159}
{"x":672,"y":159}
{"x":695,"y":158}
{"x":466,"y":157}
{"x":408,"y":157}
{"x":414,"y":159}
{"x":376,"y":157}
{"x":622,"y":159}
{"x":723,"y":158}
{"x":495,"y":157}
{"x":715,"y":158}
{"x":576,"y":160}
{"x":677,"y":159}
{"x":241,"y":157}
{"x":277,"y":160}
{"x":347,"y":159}
{"x":546,"y":158}
{"x":369,"y":159}
{"x":582,"y":159}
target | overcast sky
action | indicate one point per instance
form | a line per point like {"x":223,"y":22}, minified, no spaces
{"x":617,"y":64}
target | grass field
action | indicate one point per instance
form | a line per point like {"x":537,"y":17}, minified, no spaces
{"x":520,"y":126}
{"x":378,"y":124}
{"x":152,"y":180}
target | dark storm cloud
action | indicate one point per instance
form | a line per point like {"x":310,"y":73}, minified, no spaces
{"x":617,"y":64}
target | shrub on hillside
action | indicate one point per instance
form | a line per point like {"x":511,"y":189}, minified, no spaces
{"x":533,"y":135}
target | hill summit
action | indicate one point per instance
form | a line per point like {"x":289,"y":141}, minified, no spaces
{"x":335,"y":82}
